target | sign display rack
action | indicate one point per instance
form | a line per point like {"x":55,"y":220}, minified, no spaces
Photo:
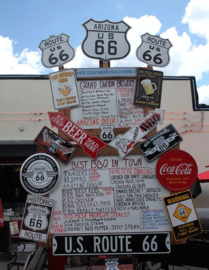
{"x":150,"y":238}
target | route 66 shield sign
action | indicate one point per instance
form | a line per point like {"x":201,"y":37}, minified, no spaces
{"x":107,"y":133}
{"x":36,"y":218}
{"x":106,"y":40}
{"x":56,"y":51}
{"x":154,"y":50}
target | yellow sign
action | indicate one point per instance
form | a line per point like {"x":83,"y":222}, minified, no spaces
{"x":182,"y":212}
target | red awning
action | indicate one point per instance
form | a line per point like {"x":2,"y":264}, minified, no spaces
{"x":204,"y":177}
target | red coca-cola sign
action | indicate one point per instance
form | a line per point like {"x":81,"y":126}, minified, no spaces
{"x":176,"y":170}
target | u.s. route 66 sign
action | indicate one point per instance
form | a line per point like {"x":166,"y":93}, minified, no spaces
{"x":106,"y":40}
{"x":154,"y":50}
{"x":37,"y":218}
{"x":56,"y":51}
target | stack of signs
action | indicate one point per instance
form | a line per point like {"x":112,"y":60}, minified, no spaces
{"x":53,"y":144}
{"x":182,"y":214}
{"x":36,"y":218}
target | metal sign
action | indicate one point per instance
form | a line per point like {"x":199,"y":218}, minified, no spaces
{"x":106,"y":40}
{"x":149,"y":88}
{"x":160,"y":142}
{"x":176,"y":170}
{"x":91,"y":145}
{"x":124,"y":143}
{"x":109,"y":244}
{"x":182,"y":215}
{"x":116,"y":263}
{"x":154,"y":50}
{"x":39,"y":174}
{"x":56,"y":51}
{"x":36,"y":218}
{"x":107,"y":133}
{"x":64,"y":89}
{"x":53,"y":144}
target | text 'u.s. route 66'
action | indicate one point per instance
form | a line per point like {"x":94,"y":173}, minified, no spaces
{"x":124,"y":143}
{"x":135,"y":243}
{"x":91,"y":145}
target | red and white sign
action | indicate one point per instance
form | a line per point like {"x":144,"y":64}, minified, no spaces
{"x":1,"y":215}
{"x":91,"y":145}
{"x":176,"y":170}
{"x":124,"y":143}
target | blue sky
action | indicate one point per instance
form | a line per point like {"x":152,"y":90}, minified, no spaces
{"x":24,"y":24}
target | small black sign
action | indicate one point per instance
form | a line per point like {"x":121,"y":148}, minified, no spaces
{"x":148,"y":88}
{"x":134,"y":243}
{"x":53,"y":144}
{"x":160,"y":142}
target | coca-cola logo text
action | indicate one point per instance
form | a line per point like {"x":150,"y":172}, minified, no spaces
{"x":181,"y":169}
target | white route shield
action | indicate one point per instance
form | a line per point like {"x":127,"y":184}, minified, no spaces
{"x":56,"y":51}
{"x":154,"y":50}
{"x":106,"y":40}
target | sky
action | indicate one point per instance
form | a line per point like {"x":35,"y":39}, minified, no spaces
{"x":24,"y":24}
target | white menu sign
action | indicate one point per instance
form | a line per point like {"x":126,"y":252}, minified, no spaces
{"x":109,"y":195}
{"x":108,"y":100}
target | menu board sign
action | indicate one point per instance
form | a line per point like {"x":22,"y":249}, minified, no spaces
{"x":109,"y":195}
{"x":107,"y":98}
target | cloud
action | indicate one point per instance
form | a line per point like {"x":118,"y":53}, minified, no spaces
{"x":119,"y":6}
{"x":27,"y":62}
{"x":203,"y":93}
{"x":197,"y":17}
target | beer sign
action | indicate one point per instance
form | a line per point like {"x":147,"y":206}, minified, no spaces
{"x":154,"y":50}
{"x":91,"y":145}
{"x":106,"y":40}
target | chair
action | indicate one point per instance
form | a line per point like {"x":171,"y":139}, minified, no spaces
{"x":20,"y":259}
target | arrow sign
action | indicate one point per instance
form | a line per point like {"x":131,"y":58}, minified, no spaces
{"x":91,"y":145}
{"x":124,"y":143}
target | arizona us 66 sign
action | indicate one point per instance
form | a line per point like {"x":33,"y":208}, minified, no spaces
{"x":56,"y":51}
{"x":154,"y":50}
{"x":36,"y":218}
{"x":106,"y":40}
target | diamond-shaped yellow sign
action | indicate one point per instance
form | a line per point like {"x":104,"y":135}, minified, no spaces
{"x":182,"y":212}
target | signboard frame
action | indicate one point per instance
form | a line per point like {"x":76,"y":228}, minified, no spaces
{"x":100,"y":244}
